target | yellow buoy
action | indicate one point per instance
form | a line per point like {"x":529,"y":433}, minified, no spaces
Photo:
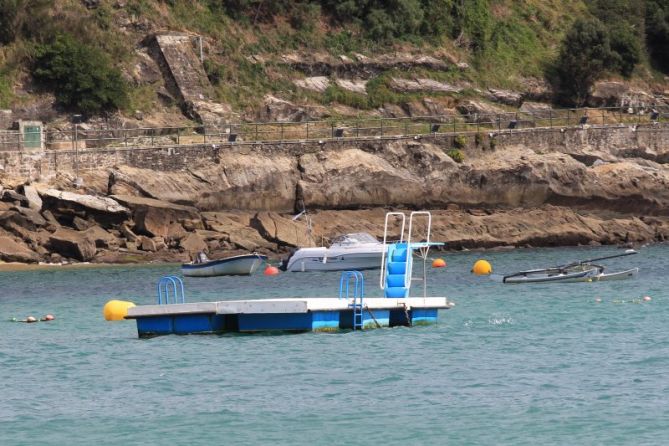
{"x":482,"y":268}
{"x":116,"y":310}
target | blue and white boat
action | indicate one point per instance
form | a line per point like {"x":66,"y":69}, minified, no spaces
{"x":242,"y":265}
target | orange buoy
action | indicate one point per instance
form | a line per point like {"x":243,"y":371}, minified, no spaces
{"x":271,"y":270}
{"x":439,"y":263}
{"x":48,"y":317}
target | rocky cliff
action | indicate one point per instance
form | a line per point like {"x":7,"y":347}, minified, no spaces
{"x":539,"y":188}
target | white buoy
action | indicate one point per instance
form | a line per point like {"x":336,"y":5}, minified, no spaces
{"x":598,"y":300}
{"x":647,"y":298}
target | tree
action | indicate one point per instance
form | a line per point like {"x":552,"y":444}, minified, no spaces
{"x":81,"y":76}
{"x":585,"y":55}
{"x":657,"y":32}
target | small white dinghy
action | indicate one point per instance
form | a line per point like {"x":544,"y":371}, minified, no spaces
{"x":581,"y":271}
{"x":242,"y":265}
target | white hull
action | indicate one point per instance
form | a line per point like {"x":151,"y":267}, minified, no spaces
{"x":572,"y":277}
{"x":343,"y":262}
{"x":348,"y":252}
{"x":232,"y":266}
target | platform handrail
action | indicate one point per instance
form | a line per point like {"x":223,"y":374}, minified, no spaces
{"x":177,"y":287}
{"x":409,"y":261}
{"x":384,"y":265}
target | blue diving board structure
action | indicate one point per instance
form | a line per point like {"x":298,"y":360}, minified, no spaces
{"x":352,"y":310}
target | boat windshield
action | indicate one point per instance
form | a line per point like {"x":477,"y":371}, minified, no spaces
{"x":354,"y":239}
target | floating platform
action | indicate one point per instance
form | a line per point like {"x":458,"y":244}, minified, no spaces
{"x":292,"y":314}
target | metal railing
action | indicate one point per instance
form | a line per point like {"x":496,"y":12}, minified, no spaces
{"x":81,"y":137}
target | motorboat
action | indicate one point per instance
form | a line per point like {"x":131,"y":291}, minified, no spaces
{"x":580,"y":271}
{"x":355,"y":251}
{"x":242,"y":265}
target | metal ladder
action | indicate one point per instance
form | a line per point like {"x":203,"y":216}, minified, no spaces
{"x":358,"y":294}
{"x":397,"y":258}
{"x":174,"y":284}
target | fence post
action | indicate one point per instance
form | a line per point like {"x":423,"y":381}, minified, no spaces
{"x":125,"y":138}
{"x":550,"y":117}
{"x":282,"y":132}
{"x":178,"y":135}
{"x":307,"y":129}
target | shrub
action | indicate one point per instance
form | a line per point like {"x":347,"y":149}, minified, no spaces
{"x":585,"y":55}
{"x":82,"y":77}
{"x":456,"y":155}
{"x":22,"y":17}
{"x":460,"y":141}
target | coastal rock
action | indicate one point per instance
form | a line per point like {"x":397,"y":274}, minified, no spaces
{"x":478,"y":111}
{"x":607,"y":94}
{"x":315,"y":83}
{"x":281,"y":230}
{"x":91,"y":202}
{"x":354,"y":85}
{"x":158,"y":218}
{"x":13,"y":251}
{"x":371,"y":180}
{"x":507,"y":97}
{"x":193,"y":244}
{"x":237,"y":230}
{"x":72,"y":244}
{"x":422,"y":85}
{"x":33,"y":198}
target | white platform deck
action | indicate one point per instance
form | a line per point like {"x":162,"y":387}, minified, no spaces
{"x":290,"y":305}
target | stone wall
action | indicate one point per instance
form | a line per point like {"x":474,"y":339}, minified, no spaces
{"x":645,"y":141}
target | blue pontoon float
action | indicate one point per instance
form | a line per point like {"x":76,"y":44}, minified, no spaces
{"x":351,"y":310}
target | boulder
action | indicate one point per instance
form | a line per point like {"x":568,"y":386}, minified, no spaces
{"x":237,"y":230}
{"x":193,"y":244}
{"x":537,"y":109}
{"x":13,"y":251}
{"x":505,"y":96}
{"x":315,"y":83}
{"x":478,"y":111}
{"x":158,"y":218}
{"x":422,"y":85}
{"x":284,"y":231}
{"x":34,"y":200}
{"x":73,"y":244}
{"x":280,"y":110}
{"x":607,"y":94}
{"x":12,"y":196}
{"x":22,"y":217}
{"x":354,"y":85}
{"x":100,"y":237}
{"x":102,"y":204}
{"x":146,"y":244}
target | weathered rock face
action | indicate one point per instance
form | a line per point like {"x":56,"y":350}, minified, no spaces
{"x":371,"y":180}
{"x":157,"y":218}
{"x":13,"y":251}
{"x":282,"y":230}
{"x":73,"y":244}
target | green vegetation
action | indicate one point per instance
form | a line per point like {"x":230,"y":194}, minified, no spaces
{"x":456,"y":155}
{"x":81,"y":76}
{"x":572,"y":43}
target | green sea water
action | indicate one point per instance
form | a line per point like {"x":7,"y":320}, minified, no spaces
{"x":510,"y":364}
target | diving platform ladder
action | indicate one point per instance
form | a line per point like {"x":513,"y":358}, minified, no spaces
{"x":357,"y":293}
{"x":171,"y":290}
{"x":397,"y":257}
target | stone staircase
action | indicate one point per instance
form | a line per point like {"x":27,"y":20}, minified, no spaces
{"x":187,"y":81}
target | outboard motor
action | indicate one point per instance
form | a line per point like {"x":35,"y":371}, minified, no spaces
{"x":283,"y":266}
